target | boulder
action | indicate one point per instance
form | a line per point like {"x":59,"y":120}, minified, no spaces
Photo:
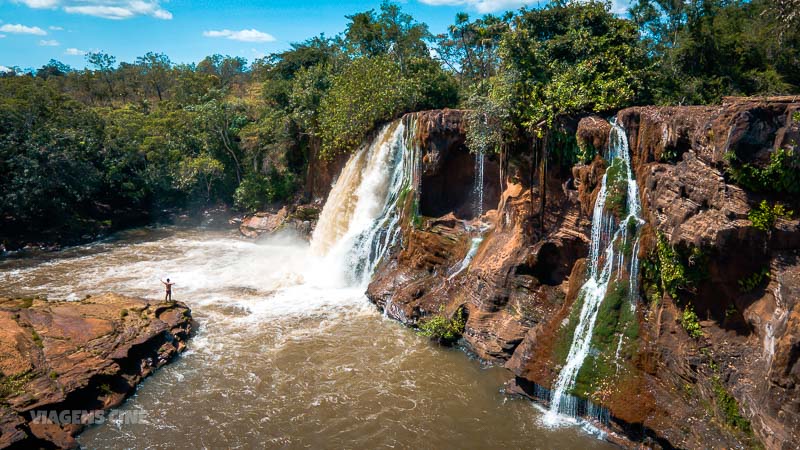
{"x":263,"y":223}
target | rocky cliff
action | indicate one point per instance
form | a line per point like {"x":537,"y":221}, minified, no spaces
{"x":714,"y":361}
{"x":65,"y":361}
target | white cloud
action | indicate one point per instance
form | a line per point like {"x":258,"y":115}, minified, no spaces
{"x":107,"y":9}
{"x":74,"y":52}
{"x":22,"y":29}
{"x":55,"y":28}
{"x":251,"y":35}
{"x":49,"y":43}
{"x":39,"y":4}
{"x":6,"y":69}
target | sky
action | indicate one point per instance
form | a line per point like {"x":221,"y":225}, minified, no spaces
{"x":32,"y":32}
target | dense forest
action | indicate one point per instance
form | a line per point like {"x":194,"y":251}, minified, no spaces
{"x":82,"y":148}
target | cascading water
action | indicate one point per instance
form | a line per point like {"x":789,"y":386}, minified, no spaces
{"x":361,"y":220}
{"x":615,"y":227}
{"x":477,"y":189}
{"x":477,"y":209}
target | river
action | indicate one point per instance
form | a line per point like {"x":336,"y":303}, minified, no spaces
{"x":281,"y":358}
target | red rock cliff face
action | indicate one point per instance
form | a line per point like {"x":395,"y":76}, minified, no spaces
{"x":521,"y":283}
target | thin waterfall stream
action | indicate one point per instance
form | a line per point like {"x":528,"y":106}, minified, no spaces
{"x":616,"y":220}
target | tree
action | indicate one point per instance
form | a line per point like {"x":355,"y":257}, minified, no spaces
{"x":707,"y":49}
{"x":227,"y":69}
{"x":156,"y":69}
{"x":569,"y":58}
{"x":366,"y":93}
{"x":202,"y":170}
{"x":104,"y":66}
{"x":53,"y":68}
{"x":471,"y":49}
{"x":391,"y":32}
{"x":222,"y":121}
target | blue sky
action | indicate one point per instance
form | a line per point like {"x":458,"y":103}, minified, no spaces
{"x":34,"y":31}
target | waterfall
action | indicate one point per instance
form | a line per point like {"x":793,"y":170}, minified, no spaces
{"x":611,"y":233}
{"x":475,"y":243}
{"x":477,"y":188}
{"x":360,"y":221}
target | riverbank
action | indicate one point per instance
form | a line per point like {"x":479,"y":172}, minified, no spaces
{"x":15,"y":242}
{"x":65,"y":363}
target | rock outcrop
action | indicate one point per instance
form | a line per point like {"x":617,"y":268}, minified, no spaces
{"x":735,"y":384}
{"x":88,"y":356}
{"x":302,"y":219}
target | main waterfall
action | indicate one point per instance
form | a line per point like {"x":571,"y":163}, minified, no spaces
{"x":360,"y":221}
{"x":613,"y":254}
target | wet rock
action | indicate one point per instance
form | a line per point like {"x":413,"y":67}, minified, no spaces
{"x":263,"y":222}
{"x":302,"y":220}
{"x":58,"y":357}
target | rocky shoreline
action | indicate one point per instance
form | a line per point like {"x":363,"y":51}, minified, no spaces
{"x":64,"y":363}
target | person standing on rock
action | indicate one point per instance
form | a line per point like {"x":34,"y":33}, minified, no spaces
{"x":168,"y":285}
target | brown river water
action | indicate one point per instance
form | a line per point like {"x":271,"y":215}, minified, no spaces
{"x":283,"y":358}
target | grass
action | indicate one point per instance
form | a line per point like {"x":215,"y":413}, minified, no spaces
{"x":727,"y":406}
{"x":13,"y":386}
{"x":37,"y":339}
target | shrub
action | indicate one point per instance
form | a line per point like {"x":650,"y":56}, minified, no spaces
{"x":690,"y":322}
{"x":672,"y":272}
{"x":765,"y":216}
{"x":781,"y":175}
{"x":123,"y":314}
{"x":439,"y":327}
{"x":750,"y":283}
